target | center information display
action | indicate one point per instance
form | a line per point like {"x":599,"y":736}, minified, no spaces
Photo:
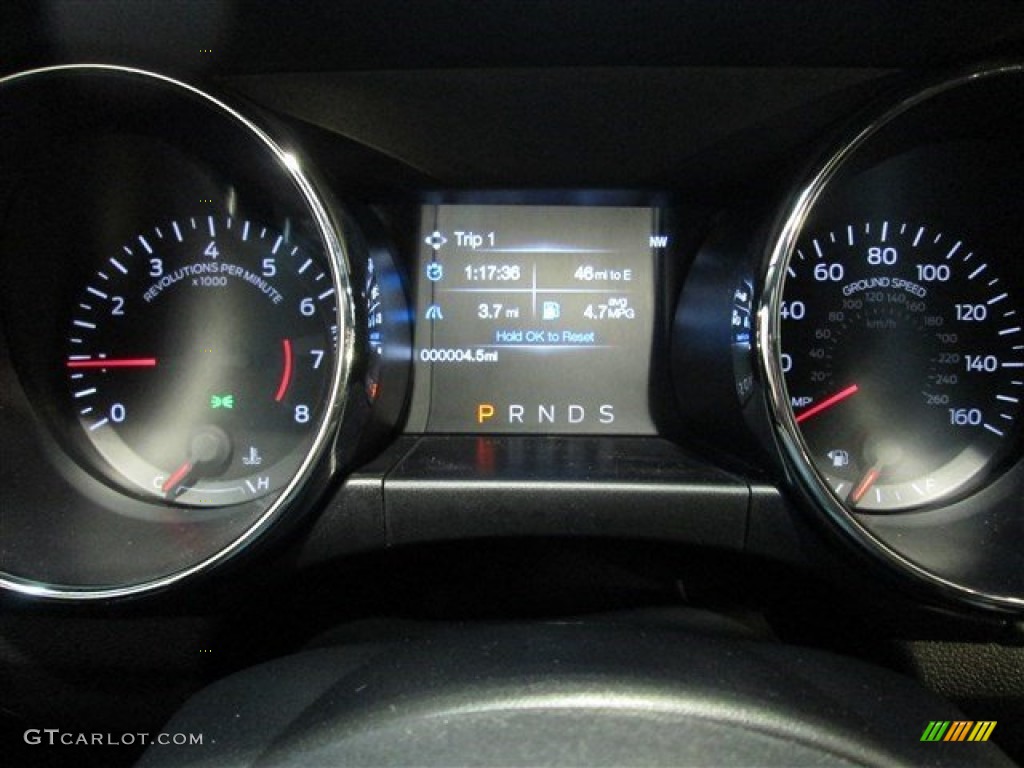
{"x":536,"y":319}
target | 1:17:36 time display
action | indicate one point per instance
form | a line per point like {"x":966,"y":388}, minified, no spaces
{"x":493,"y":272}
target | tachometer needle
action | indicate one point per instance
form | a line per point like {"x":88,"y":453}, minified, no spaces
{"x":114,"y":362}
{"x":827,"y":403}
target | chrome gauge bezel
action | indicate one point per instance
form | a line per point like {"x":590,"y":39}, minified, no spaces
{"x":320,"y":461}
{"x":797,"y":460}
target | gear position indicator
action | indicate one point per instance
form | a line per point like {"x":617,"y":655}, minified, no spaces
{"x":547,"y":317}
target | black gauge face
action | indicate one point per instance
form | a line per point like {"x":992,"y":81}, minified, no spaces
{"x":903,"y":357}
{"x":200,"y":357}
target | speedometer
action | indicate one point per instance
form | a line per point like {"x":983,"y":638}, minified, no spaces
{"x":890,"y":337}
{"x":903,"y":357}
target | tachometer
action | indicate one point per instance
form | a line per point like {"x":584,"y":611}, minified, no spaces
{"x":903,"y":354}
{"x":183,"y":321}
{"x":199,"y":359}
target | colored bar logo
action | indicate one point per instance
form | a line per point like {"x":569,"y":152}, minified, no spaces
{"x":958,"y":730}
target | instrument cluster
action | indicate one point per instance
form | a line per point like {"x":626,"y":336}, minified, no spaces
{"x":208,"y":341}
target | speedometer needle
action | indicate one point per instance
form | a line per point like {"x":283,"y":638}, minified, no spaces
{"x":827,"y":403}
